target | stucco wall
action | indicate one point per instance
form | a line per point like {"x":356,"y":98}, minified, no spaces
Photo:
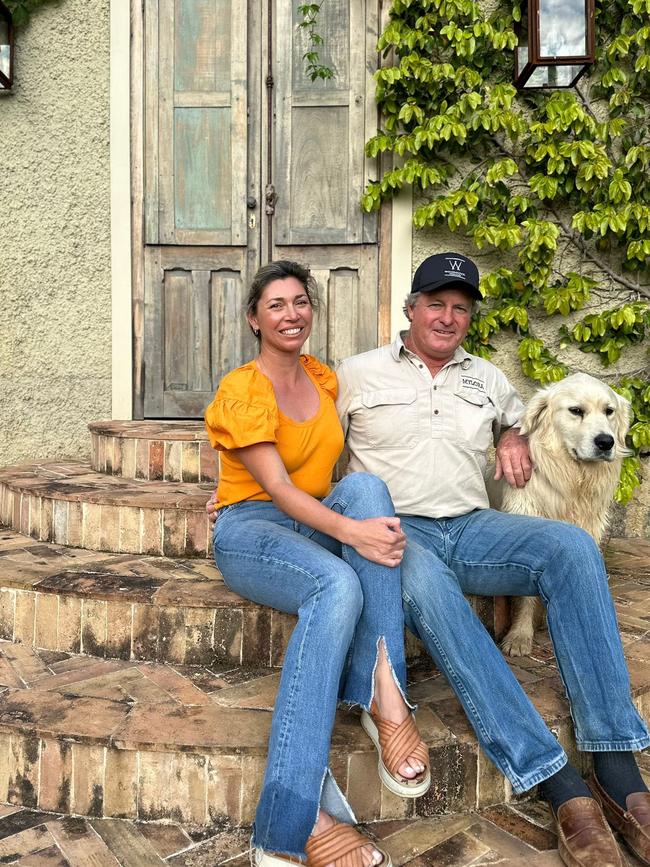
{"x":55,"y":293}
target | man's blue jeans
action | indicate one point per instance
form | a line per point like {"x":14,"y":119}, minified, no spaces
{"x":346,"y":605}
{"x":491,"y":553}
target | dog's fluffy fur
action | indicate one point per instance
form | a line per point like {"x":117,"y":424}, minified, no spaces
{"x":570,"y":425}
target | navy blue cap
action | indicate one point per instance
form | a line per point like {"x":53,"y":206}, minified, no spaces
{"x":446,"y":270}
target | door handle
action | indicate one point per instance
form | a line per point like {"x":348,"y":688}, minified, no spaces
{"x":251,"y":203}
{"x":271,"y":198}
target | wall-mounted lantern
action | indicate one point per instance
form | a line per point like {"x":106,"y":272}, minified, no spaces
{"x":556,"y":43}
{"x":6,"y":48}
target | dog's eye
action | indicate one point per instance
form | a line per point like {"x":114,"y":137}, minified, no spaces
{"x":609,"y":411}
{"x":576,"y":410}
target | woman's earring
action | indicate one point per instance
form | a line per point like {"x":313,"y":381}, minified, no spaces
{"x":256,"y":332}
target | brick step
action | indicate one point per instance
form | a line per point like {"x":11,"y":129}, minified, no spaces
{"x":153,"y":450}
{"x":69,"y":503}
{"x":180,"y":611}
{"x":149,"y":741}
{"x":131,"y":607}
{"x":156,"y":609}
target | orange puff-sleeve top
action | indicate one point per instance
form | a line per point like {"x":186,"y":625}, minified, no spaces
{"x":244,"y":412}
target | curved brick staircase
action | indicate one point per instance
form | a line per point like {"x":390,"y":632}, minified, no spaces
{"x":136,"y":685}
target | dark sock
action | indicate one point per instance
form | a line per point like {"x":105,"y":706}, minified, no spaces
{"x":562,"y":786}
{"x":619,"y":775}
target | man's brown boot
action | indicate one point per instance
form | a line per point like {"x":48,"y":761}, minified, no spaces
{"x":584,"y":837}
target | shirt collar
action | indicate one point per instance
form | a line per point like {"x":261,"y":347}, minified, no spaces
{"x":398,"y":346}
{"x":461,"y":356}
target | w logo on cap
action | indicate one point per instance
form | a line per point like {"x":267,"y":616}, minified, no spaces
{"x":455,"y":264}
{"x":447,"y":269}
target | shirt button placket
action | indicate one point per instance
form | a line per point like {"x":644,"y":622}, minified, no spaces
{"x":436,"y":420}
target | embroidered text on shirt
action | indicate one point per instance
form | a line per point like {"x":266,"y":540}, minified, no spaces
{"x":472,"y":382}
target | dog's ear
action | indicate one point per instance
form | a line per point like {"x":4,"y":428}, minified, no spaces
{"x":535,"y":411}
{"x":621,"y":424}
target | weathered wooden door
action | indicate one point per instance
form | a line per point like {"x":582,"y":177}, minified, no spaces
{"x":246,"y":159}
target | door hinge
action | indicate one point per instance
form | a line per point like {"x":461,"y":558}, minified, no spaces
{"x":270,"y":198}
{"x":269,"y":81}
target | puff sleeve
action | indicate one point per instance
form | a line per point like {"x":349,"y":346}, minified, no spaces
{"x":324,"y":375}
{"x":243,"y":412}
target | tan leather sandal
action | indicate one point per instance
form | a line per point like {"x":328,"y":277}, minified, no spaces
{"x":395,"y":742}
{"x":339,"y":845}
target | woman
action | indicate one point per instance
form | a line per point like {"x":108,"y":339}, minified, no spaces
{"x":281,"y":539}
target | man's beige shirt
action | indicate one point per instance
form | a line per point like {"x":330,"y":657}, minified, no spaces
{"x":425,"y":436}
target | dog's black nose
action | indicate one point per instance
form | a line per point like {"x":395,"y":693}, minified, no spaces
{"x":604,"y":442}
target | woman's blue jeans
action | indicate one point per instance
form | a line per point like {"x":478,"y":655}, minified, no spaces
{"x":492,"y":553}
{"x":345,"y":605}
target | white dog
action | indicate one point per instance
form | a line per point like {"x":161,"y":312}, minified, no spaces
{"x":576,"y":431}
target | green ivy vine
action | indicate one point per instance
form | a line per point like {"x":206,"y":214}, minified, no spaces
{"x":540,"y":176}
{"x":22,"y":9}
{"x":309,"y":13}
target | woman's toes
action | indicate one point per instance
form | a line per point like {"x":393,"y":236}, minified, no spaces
{"x":411,"y":768}
{"x":371,"y":857}
{"x":406,"y":771}
{"x":377,"y":857}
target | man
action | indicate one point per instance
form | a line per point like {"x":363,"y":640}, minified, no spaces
{"x":421,"y":414}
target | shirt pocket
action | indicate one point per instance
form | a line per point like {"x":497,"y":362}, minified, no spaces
{"x":390,"y":418}
{"x":475,"y":416}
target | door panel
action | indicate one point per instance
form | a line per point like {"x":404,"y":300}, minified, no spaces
{"x":196,"y":104}
{"x":319,"y":178}
{"x":202,"y":158}
{"x":195,"y":331}
{"x":347,"y":320}
{"x":201,"y":161}
{"x":320,"y":129}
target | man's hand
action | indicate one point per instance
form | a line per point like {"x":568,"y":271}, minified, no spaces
{"x":211,"y":508}
{"x":513,"y":458}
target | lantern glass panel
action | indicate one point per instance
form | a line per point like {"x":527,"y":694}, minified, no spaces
{"x":522,"y":56}
{"x":4,"y":47}
{"x":554,"y":76}
{"x":562,"y":29}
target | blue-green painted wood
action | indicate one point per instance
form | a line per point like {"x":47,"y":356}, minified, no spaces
{"x":202,"y":168}
{"x":202,"y":46}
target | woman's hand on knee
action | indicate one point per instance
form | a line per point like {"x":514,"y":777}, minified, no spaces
{"x":378,"y":539}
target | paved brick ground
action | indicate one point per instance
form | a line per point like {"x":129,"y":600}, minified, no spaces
{"x":517,"y":835}
{"x":150,"y":708}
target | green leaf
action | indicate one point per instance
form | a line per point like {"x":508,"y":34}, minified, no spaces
{"x":629,"y":480}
